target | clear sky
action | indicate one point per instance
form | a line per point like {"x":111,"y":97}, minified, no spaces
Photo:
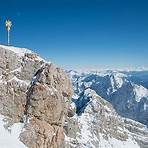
{"x":80,"y":33}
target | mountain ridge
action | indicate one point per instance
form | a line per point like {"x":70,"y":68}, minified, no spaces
{"x":35,"y":98}
{"x":117,"y":88}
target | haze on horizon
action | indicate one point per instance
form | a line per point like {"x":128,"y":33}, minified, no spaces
{"x":80,"y":33}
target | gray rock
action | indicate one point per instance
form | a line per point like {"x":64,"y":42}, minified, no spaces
{"x":36,"y":93}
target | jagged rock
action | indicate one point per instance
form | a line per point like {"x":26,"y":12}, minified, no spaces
{"x":39,"y":134}
{"x":36,"y":93}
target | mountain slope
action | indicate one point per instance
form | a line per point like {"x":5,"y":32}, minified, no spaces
{"x":129,"y":97}
{"x":33,"y":94}
{"x":97,"y":125}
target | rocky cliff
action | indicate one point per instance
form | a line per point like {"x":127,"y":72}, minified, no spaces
{"x":36,"y":95}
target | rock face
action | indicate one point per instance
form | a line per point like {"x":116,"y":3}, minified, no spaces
{"x":35,"y":93}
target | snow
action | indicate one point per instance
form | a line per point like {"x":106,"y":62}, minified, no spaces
{"x":87,"y":84}
{"x":118,"y":85}
{"x":10,"y":139}
{"x":114,"y":143}
{"x":16,"y":70}
{"x":51,"y":90}
{"x":140,"y":92}
{"x":104,"y":70}
{"x":19,"y":51}
{"x":145,"y":106}
{"x":1,"y":79}
{"x":86,"y":136}
{"x":117,"y":80}
{"x":40,"y":59}
{"x":20,"y":82}
{"x":112,"y":84}
{"x":128,"y":92}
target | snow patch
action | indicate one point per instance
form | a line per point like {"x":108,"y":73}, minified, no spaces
{"x":18,"y":51}
{"x":86,"y":136}
{"x":21,"y":51}
{"x":114,"y":143}
{"x":117,"y":80}
{"x":140,"y":92}
{"x":20,"y":82}
{"x":10,"y":139}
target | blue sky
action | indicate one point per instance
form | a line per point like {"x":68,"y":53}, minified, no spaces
{"x":80,"y":33}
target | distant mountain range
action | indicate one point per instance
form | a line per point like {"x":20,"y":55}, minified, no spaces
{"x":105,"y":102}
{"x":127,"y":91}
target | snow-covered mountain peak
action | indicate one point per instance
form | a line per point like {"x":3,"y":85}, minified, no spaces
{"x":117,"y":79}
{"x":17,"y":50}
{"x":140,"y":92}
{"x":126,"y":91}
{"x":21,"y":52}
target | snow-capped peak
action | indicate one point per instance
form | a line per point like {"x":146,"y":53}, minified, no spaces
{"x":140,"y":92}
{"x":17,"y":50}
{"x":117,"y":80}
{"x":21,"y":51}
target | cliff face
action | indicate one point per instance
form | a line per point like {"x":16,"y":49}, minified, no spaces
{"x":34,"y":93}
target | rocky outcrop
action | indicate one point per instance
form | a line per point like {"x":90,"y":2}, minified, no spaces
{"x":35,"y":93}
